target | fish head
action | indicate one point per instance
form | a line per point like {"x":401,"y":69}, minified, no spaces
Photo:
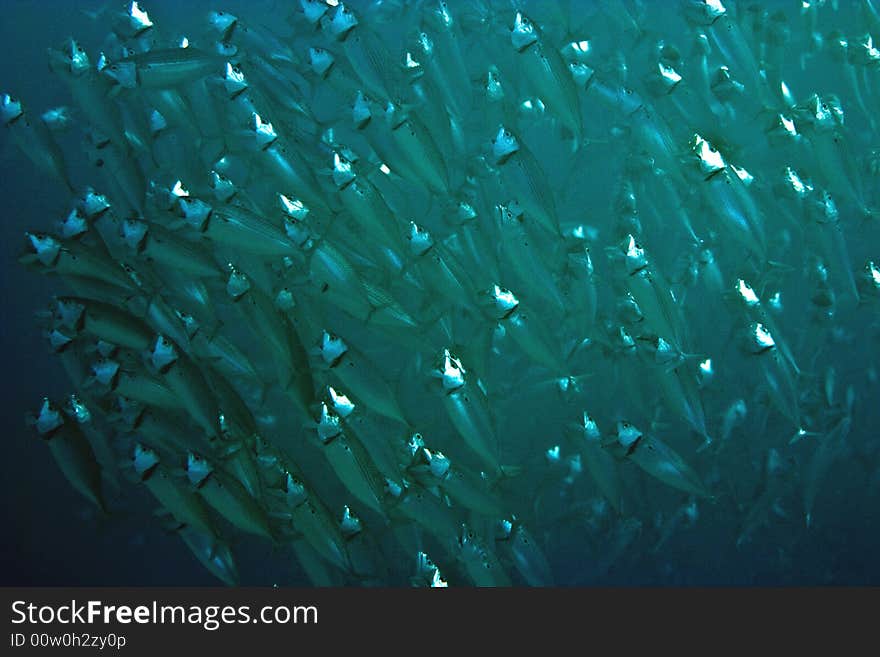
{"x":628,"y":435}
{"x":132,"y":22}
{"x":663,"y":77}
{"x":295,"y":221}
{"x":145,"y":461}
{"x":493,"y":87}
{"x":706,"y":158}
{"x":794,"y":185}
{"x":342,"y":405}
{"x":395,"y":490}
{"x":467,"y":538}
{"x":238,"y":283}
{"x":225,"y":49}
{"x":440,"y":15}
{"x":620,"y":339}
{"x":134,"y":234}
{"x":580,"y":264}
{"x":819,"y":114}
{"x":863,"y":51}
{"x":234,"y":81}
{"x":284,"y":300}
{"x":10,"y":109}
{"x":450,"y":371}
{"x":321,"y":61}
{"x":69,"y":313}
{"x":628,"y":311}
{"x":578,"y":52}
{"x":223,"y":23}
{"x":524,"y":33}
{"x":48,"y":419}
{"x":501,"y":302}
{"x":591,"y":429}
{"x":425,"y":45}
{"x":328,"y":424}
{"x":123,"y":73}
{"x":439,"y":464}
{"x":426,"y":571}
{"x":341,"y":23}
{"x":70,"y":59}
{"x":361,"y":111}
{"x":634,"y":257}
{"x":504,"y":529}
{"x":59,"y":339}
{"x":332,"y":348}
{"x":414,"y":448}
{"x":264,"y":133}
{"x":190,"y":324}
{"x":94,"y":204}
{"x":197,"y":469}
{"x":870,"y":277}
{"x":703,"y":12}
{"x":163,"y":354}
{"x":295,"y":491}
{"x":224,"y":189}
{"x":822,"y":208}
{"x":757,"y":339}
{"x":350,"y":523}
{"x":343,"y":169}
{"x":463,"y":213}
{"x":745,"y":294}
{"x":822,"y":294}
{"x":57,"y":119}
{"x":194,"y":211}
{"x":75,"y":408}
{"x":504,"y":145}
{"x":705,"y":372}
{"x":724,"y":86}
{"x":45,"y":247}
{"x":314,"y":10}
{"x":74,"y":224}
{"x":106,"y":349}
{"x":663,"y":352}
{"x":553,"y":454}
{"x":106,"y":371}
{"x":582,"y":73}
{"x":412,"y":68}
{"x":396,"y":113}
{"x":420,"y":240}
{"x":293,"y":207}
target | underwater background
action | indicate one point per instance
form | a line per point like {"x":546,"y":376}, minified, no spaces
{"x":53,"y":536}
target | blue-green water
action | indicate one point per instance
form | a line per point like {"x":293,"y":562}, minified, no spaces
{"x":57,"y":537}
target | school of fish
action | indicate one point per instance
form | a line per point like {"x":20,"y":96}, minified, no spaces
{"x":427,"y":293}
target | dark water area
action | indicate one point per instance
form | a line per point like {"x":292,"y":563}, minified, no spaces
{"x":52,"y":536}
